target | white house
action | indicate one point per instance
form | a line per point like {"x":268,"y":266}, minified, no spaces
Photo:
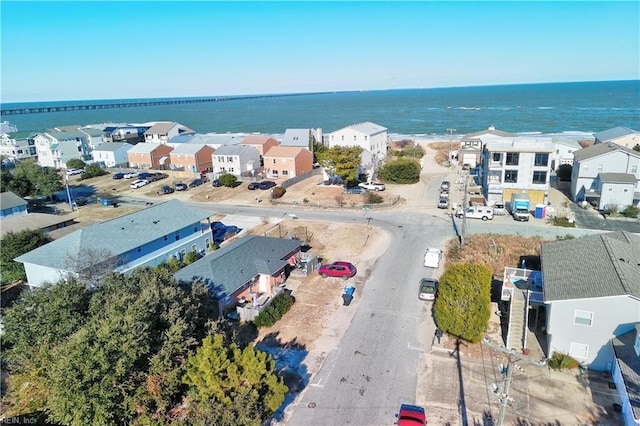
{"x":564,"y":149}
{"x":162,"y":132}
{"x":591,"y":291}
{"x":372,"y":138}
{"x":112,"y":154}
{"x":144,"y":238}
{"x":239,"y":160}
{"x":611,"y":190}
{"x":622,"y":136}
{"x":56,"y":146}
{"x":516,"y":165}
{"x":17,"y":146}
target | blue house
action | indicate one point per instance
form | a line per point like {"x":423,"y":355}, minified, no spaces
{"x":145,"y":238}
{"x":11,"y":205}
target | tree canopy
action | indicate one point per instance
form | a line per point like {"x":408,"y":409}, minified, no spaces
{"x":75,"y":163}
{"x":341,"y":161}
{"x":28,"y":179}
{"x":463,"y":305}
{"x":15,"y":244}
{"x":402,"y":170}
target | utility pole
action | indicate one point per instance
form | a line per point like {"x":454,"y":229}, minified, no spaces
{"x":513,"y":358}
{"x":451,"y":132}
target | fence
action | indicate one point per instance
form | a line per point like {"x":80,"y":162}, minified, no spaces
{"x":287,"y":183}
{"x":343,"y":205}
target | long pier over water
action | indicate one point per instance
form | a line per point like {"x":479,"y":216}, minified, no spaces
{"x":142,"y":103}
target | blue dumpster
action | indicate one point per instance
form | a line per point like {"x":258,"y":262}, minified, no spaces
{"x":105,"y":202}
{"x":541,"y":211}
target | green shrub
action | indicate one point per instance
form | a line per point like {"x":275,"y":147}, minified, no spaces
{"x":278,"y":192}
{"x":402,"y":170}
{"x":373,"y":198}
{"x":279,"y":306}
{"x":631,"y":211}
{"x":92,"y":170}
{"x":227,"y":180}
{"x":190,"y":257}
{"x":75,"y":163}
{"x":463,"y":306}
{"x":562,"y":221}
{"x":560,"y":361}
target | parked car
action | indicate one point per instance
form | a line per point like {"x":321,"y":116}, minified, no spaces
{"x":196,"y":182}
{"x":355,"y":190}
{"x":411,"y":415}
{"x":475,"y":212}
{"x":253,"y":185}
{"x":73,"y":172}
{"x":445,"y":185}
{"x":180,"y":186}
{"x":443,"y":203}
{"x":215,"y":183}
{"x":345,"y":270}
{"x":444,"y":193}
{"x":166,"y":189}
{"x":499,"y":208}
{"x":266,"y":184}
{"x":139,"y":183}
{"x":130,"y":175}
{"x":156,"y":176}
{"x":428,"y":289}
{"x":372,"y":186}
{"x":432,"y":257}
{"x":118,"y":175}
{"x":143,"y":175}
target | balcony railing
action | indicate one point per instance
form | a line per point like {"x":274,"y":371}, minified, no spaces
{"x":248,"y":311}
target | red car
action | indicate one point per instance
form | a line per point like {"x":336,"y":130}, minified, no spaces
{"x":345,"y":270}
{"x":411,"y":415}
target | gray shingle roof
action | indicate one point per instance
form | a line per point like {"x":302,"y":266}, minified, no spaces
{"x":143,"y":148}
{"x":367,"y":127}
{"x":617,"y":177}
{"x":614,"y":133}
{"x":296,"y":137}
{"x":594,"y":266}
{"x":9,"y":200}
{"x":629,"y":363}
{"x":187,"y":149}
{"x":111,"y":146}
{"x":601,"y":149}
{"x":232,"y":266}
{"x":236,"y":150}
{"x":117,"y":235}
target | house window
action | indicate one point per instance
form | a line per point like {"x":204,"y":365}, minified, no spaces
{"x":634,"y":169}
{"x":165,"y":238}
{"x":274,"y":161}
{"x":583,"y":318}
{"x":497,"y":157}
{"x":510,"y":176}
{"x":354,"y":137}
{"x":600,"y":168}
{"x":229,"y":159}
{"x":539,"y":177}
{"x":195,"y":228}
{"x":177,"y":236}
{"x":541,"y":159}
{"x":512,"y":158}
{"x":286,"y":173}
{"x":194,"y":247}
{"x":365,"y":137}
{"x":230,"y":169}
{"x":579,"y":350}
{"x":207,"y":243}
{"x":139,"y":249}
{"x":342,"y":137}
{"x":221,"y":159}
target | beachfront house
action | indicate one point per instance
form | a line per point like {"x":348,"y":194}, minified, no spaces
{"x":245,"y":273}
{"x":162,"y":132}
{"x":304,"y":138}
{"x":262,"y":143}
{"x":371,"y":137}
{"x":564,"y":149}
{"x":287,"y":162}
{"x":131,"y":134}
{"x":147,"y":237}
{"x":12,"y":205}
{"x":149,"y":155}
{"x":195,"y":158}
{"x":516,"y":165}
{"x":17,"y":146}
{"x":238,"y":160}
{"x":112,"y":154}
{"x":470,"y":152}
{"x":622,"y":136}
{"x":54,"y":147}
{"x":94,"y":136}
{"x":591,"y":292}
{"x":606,"y":175}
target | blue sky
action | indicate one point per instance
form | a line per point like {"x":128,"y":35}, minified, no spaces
{"x":109,"y":50}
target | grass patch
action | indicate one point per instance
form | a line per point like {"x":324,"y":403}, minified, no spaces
{"x":562,"y":221}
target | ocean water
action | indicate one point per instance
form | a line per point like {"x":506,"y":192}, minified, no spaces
{"x":544,"y":108}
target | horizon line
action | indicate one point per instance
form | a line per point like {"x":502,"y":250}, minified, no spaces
{"x":267,"y":94}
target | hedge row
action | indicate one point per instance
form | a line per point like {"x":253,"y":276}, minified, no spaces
{"x":278,"y":307}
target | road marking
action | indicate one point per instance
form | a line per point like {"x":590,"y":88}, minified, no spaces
{"x":414,"y":348}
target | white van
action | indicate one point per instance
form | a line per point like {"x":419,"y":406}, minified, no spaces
{"x":476,"y":212}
